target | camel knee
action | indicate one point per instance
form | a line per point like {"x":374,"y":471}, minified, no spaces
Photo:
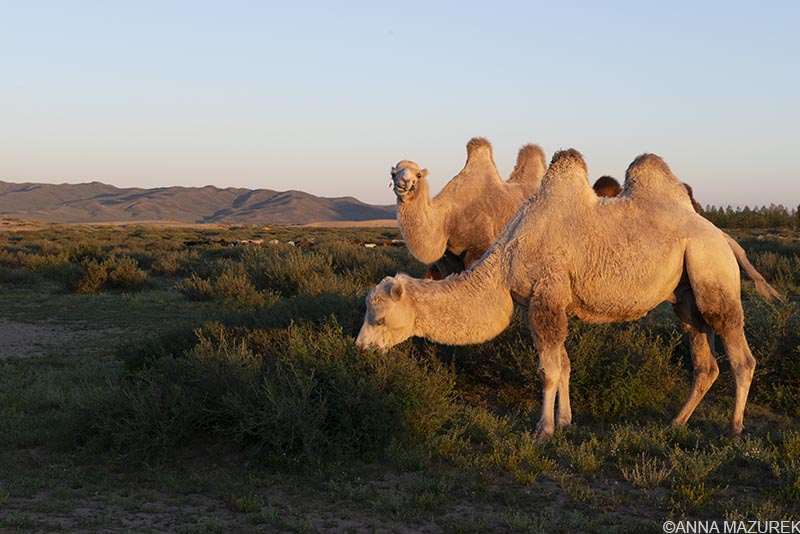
{"x":708,"y":370}
{"x":744,"y":367}
{"x":550,"y":376}
{"x":705,"y":376}
{"x":565,"y":365}
{"x":742,"y":361}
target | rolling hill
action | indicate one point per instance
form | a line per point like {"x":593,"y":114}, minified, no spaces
{"x":96,"y":202}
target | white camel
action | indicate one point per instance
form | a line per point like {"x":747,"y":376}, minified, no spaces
{"x":567,"y":253}
{"x":456,"y":227}
{"x":608,"y":186}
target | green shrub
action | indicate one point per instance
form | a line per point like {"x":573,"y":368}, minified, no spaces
{"x":234,"y":289}
{"x":16,"y":276}
{"x":168,"y":265}
{"x":645,"y":472}
{"x":620,"y":372}
{"x":196,"y":288}
{"x":90,"y":276}
{"x":773,"y":333}
{"x":124,"y":273}
{"x":309,"y":393}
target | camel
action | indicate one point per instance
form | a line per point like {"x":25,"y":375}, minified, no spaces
{"x":608,"y":186}
{"x":568,"y":253}
{"x":456,"y":227}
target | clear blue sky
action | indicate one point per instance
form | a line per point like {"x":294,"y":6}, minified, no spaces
{"x":325,"y":97}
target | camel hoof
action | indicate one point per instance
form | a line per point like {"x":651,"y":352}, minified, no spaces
{"x":544,"y":433}
{"x":734,"y":432}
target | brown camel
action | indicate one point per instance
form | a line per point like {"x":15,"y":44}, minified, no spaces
{"x":458,"y":225}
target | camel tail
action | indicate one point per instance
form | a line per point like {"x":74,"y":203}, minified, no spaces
{"x":766,"y":291}
{"x":531,"y":165}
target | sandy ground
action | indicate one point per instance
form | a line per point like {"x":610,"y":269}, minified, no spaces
{"x":355,"y":224}
{"x":26,"y":340}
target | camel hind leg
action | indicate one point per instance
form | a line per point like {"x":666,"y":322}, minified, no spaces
{"x":743,"y":365}
{"x":701,"y":347}
{"x":714,"y":277}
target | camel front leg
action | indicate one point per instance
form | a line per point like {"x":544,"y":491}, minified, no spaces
{"x":549,"y":327}
{"x":550,"y":372}
{"x":564,"y":409}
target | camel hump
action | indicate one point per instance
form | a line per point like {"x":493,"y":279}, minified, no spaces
{"x":567,"y":173}
{"x":567,"y":163}
{"x":695,"y":204}
{"x":648,"y":164}
{"x":607,"y":186}
{"x":479,"y":154}
{"x":649,"y":174}
{"x":531,"y":165}
{"x":480,"y":161}
{"x":567,"y":159}
{"x":479,"y":147}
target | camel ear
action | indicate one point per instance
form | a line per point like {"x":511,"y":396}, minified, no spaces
{"x":396,"y":291}
{"x":423,"y":173}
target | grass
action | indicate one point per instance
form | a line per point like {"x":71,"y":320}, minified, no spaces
{"x":224,"y":393}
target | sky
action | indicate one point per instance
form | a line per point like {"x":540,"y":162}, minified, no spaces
{"x":325,"y":97}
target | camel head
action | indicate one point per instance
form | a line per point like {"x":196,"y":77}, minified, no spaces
{"x":607,"y":186}
{"x":405,"y":179}
{"x":390,"y":316}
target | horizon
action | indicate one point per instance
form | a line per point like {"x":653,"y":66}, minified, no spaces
{"x":324,"y":99}
{"x":790,"y":208}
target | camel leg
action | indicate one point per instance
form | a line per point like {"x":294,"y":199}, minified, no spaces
{"x":743,"y":365}
{"x":715,"y":283}
{"x":701,"y":346}
{"x":564,"y":410}
{"x":549,"y":327}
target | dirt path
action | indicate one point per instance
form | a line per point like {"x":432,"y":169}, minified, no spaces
{"x":26,"y":340}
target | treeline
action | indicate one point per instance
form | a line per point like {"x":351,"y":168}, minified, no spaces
{"x":757,"y":217}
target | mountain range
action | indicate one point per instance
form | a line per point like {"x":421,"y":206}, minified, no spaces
{"x":97,"y":202}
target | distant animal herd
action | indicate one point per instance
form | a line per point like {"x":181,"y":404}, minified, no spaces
{"x":548,"y":243}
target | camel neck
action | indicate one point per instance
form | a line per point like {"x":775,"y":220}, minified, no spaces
{"x":470,"y":307}
{"x":422,"y":225}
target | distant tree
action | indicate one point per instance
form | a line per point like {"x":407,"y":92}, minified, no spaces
{"x":771,"y":216}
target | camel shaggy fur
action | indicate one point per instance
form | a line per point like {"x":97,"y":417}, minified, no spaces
{"x":568,"y":253}
{"x":608,"y":186}
{"x":456,"y":227}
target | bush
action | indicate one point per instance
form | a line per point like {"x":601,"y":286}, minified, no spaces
{"x":92,"y":276}
{"x":196,"y":288}
{"x":124,"y":273}
{"x":621,"y":372}
{"x":234,"y":289}
{"x":88,"y":277}
{"x":309,"y":393}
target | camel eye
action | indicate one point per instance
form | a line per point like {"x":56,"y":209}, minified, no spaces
{"x":379,"y":322}
{"x":419,"y":175}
